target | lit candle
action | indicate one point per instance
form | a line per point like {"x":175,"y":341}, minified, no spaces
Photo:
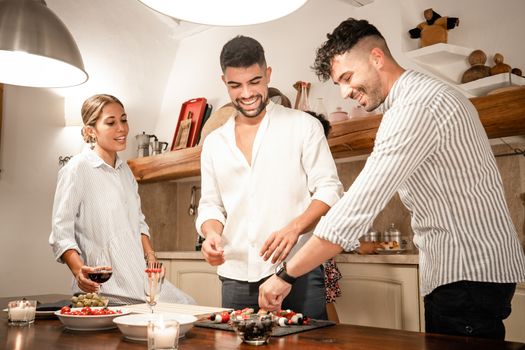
{"x":163,"y":334}
{"x":165,"y":337}
{"x":22,"y":311}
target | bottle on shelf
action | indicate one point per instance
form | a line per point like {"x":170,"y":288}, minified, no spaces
{"x":304,"y":103}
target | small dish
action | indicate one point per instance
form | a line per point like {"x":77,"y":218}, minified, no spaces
{"x":135,"y":326}
{"x":90,"y":322}
{"x":253,"y":329}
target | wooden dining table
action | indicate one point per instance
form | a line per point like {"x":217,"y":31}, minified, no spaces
{"x":50,"y":334}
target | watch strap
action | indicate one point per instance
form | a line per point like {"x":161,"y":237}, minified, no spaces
{"x":282,"y":274}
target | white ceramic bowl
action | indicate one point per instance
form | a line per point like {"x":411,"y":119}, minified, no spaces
{"x":134,"y":326}
{"x":90,"y":322}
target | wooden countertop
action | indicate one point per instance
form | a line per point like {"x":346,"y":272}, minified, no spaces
{"x":404,"y":259}
{"x":50,"y":334}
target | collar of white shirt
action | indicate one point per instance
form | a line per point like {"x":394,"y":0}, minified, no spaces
{"x":95,"y":160}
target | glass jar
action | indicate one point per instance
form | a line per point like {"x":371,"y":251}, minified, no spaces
{"x":319,"y":107}
{"x":374,"y":235}
{"x":393,"y":234}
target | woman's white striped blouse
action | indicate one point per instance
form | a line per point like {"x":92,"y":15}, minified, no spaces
{"x":97,"y":209}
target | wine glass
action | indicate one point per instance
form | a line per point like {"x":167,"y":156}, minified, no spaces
{"x":102,"y":267}
{"x":153,"y":280}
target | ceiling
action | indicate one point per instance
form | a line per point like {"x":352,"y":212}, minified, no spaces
{"x":89,"y":13}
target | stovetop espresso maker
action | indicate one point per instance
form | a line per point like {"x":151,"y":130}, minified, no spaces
{"x":144,"y":144}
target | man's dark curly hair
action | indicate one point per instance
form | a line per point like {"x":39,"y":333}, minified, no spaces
{"x":242,"y":51}
{"x":342,"y":39}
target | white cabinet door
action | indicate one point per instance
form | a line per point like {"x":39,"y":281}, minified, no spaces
{"x":379,"y":295}
{"x":198,"y":279}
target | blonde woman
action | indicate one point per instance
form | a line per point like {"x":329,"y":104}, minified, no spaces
{"x":97,"y":210}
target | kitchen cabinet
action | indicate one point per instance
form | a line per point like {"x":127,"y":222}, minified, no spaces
{"x":376,"y":290}
{"x":196,"y":278}
{"x":379,"y":295}
{"x":502,"y":115}
{"x":373,"y":294}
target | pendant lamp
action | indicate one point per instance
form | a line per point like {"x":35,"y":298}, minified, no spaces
{"x":36,"y":49}
{"x":225,"y":12}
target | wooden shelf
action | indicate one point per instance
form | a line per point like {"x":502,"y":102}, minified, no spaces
{"x":502,"y":115}
{"x":167,"y":166}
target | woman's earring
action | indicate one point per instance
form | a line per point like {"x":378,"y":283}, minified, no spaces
{"x":93,"y":141}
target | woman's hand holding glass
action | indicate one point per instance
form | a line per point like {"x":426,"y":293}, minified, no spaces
{"x":99,"y":272}
{"x":83,"y":281}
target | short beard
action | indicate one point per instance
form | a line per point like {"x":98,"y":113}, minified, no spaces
{"x":258,"y":111}
{"x":374,"y":100}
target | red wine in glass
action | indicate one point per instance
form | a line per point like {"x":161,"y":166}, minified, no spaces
{"x":102,"y":270}
{"x":100,"y":276}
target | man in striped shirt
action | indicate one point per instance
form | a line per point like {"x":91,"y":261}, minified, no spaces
{"x":432,"y":149}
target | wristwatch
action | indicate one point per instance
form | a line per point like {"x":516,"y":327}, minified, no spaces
{"x":282,"y":274}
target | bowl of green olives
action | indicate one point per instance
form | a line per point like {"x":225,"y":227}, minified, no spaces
{"x":89,"y":299}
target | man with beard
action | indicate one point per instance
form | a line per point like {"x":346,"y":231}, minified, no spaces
{"x":430,"y":148}
{"x":267,"y":177}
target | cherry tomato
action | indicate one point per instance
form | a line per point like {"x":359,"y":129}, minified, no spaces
{"x":65,"y":309}
{"x":225,"y":316}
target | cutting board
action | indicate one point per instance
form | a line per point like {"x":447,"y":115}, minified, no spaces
{"x":277,"y":331}
{"x":195,"y":310}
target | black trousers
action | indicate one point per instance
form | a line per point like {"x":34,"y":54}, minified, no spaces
{"x":475,"y":309}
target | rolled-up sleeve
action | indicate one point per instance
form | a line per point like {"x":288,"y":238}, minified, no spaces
{"x":210,"y":204}
{"x":319,"y":164}
{"x":65,"y":208}
{"x":326,"y":231}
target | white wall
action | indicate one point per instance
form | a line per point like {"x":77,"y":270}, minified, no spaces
{"x":122,"y":58}
{"x":133,"y":53}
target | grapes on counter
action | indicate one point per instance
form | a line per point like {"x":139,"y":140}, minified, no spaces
{"x":89,"y":299}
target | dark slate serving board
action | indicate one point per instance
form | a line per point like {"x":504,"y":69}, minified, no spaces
{"x":277,"y":330}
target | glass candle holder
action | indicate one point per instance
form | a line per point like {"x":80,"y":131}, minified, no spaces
{"x":21,"y":312}
{"x":163,"y":334}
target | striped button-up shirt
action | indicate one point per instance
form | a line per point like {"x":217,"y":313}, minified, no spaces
{"x":97,"y":210}
{"x":432,"y":149}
